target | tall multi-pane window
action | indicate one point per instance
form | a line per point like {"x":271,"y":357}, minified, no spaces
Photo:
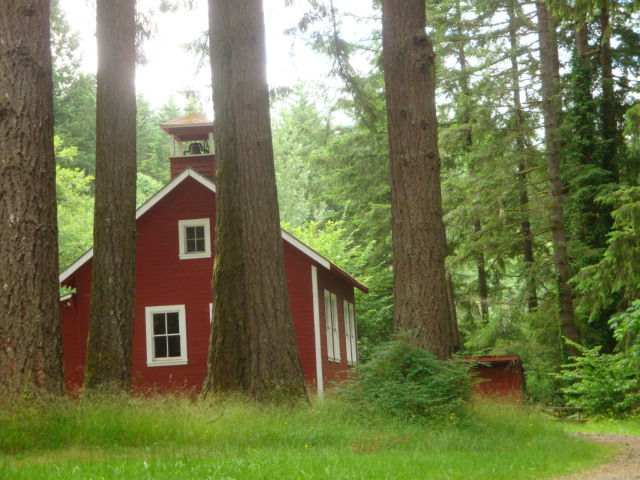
{"x":166,"y":335}
{"x":331,"y":325}
{"x":350,"y":332}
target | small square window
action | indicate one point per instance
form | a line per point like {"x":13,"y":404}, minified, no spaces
{"x":194,"y":238}
{"x":166,"y":335}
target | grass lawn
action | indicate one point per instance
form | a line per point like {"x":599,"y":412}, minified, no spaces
{"x":174,"y":438}
{"x":629,"y":426}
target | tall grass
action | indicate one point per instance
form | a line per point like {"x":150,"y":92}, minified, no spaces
{"x":175,"y":438}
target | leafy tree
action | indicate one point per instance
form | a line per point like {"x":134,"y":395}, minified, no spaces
{"x":626,"y":327}
{"x":75,"y":213}
{"x":30,"y":327}
{"x":252,"y":345}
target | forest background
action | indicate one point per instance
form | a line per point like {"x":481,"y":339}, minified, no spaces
{"x":333,"y":174}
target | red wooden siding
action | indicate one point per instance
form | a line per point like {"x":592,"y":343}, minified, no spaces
{"x":204,"y":164}
{"x":501,"y":377}
{"x":162,"y":278}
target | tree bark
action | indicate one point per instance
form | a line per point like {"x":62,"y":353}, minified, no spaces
{"x":610,"y":131}
{"x":30,"y":328}
{"x":420,"y":289}
{"x":108,"y":363}
{"x":252,"y":346}
{"x":549,"y":69}
{"x":521,"y":147}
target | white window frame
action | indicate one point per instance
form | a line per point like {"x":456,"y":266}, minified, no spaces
{"x":162,"y":362}
{"x":332,"y":326}
{"x":182,"y":236}
{"x":350,"y":332}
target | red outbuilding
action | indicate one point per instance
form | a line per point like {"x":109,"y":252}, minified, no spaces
{"x":500,"y":376}
{"x":174,"y":267}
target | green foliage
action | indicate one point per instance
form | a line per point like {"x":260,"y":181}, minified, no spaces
{"x":617,"y":275}
{"x":410,"y":383}
{"x":603,"y":384}
{"x":626,"y":327}
{"x":146,"y":187}
{"x":74,"y":193}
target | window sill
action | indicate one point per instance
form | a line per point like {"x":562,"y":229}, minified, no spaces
{"x":189,"y":256}
{"x":167,"y":363}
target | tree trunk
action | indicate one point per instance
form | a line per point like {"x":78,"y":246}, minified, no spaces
{"x":30,"y":329}
{"x":610,"y":131}
{"x":420,"y":287}
{"x":521,"y":147}
{"x":465,"y":119}
{"x":582,"y":86}
{"x":549,"y":69}
{"x":253,"y":346}
{"x":113,"y":284}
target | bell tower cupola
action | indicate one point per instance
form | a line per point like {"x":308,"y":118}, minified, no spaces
{"x":191,"y":144}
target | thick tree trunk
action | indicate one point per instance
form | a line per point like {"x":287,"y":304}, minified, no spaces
{"x":420,"y":287}
{"x":30,"y":329}
{"x":253,"y":345}
{"x":549,"y":69}
{"x":521,"y":147}
{"x":113,"y":284}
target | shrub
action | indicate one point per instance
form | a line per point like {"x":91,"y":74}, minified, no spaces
{"x":603,"y":384}
{"x":408,"y":382}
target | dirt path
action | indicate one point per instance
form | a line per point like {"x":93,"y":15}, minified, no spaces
{"x":625,"y":465}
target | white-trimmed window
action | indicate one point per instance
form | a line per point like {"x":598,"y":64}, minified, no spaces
{"x":350,"y":332}
{"x":195,"y":238}
{"x":331,"y":322}
{"x":166,"y":335}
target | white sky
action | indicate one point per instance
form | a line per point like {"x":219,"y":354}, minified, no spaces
{"x":170,"y":69}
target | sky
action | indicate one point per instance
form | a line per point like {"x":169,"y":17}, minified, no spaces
{"x":169,"y":69}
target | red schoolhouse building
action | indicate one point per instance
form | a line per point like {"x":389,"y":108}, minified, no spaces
{"x":174,"y":267}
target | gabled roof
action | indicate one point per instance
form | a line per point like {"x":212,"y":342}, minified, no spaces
{"x":208,"y":183}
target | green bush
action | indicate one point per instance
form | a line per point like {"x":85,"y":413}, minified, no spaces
{"x":603,"y":384}
{"x":409,"y":383}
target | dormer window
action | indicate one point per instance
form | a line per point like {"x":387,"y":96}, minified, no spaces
{"x":195,"y":238}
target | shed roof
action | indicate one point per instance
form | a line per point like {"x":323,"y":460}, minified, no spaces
{"x":499,"y":360}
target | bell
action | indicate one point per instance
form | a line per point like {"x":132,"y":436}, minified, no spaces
{"x":195,"y":149}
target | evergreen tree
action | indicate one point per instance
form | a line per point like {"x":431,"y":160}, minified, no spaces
{"x":252,"y":346}
{"x":30,"y":327}
{"x":109,"y":346}
{"x":421,"y":303}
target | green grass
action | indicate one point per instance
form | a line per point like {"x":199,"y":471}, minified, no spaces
{"x":173,"y":438}
{"x":628,"y":426}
